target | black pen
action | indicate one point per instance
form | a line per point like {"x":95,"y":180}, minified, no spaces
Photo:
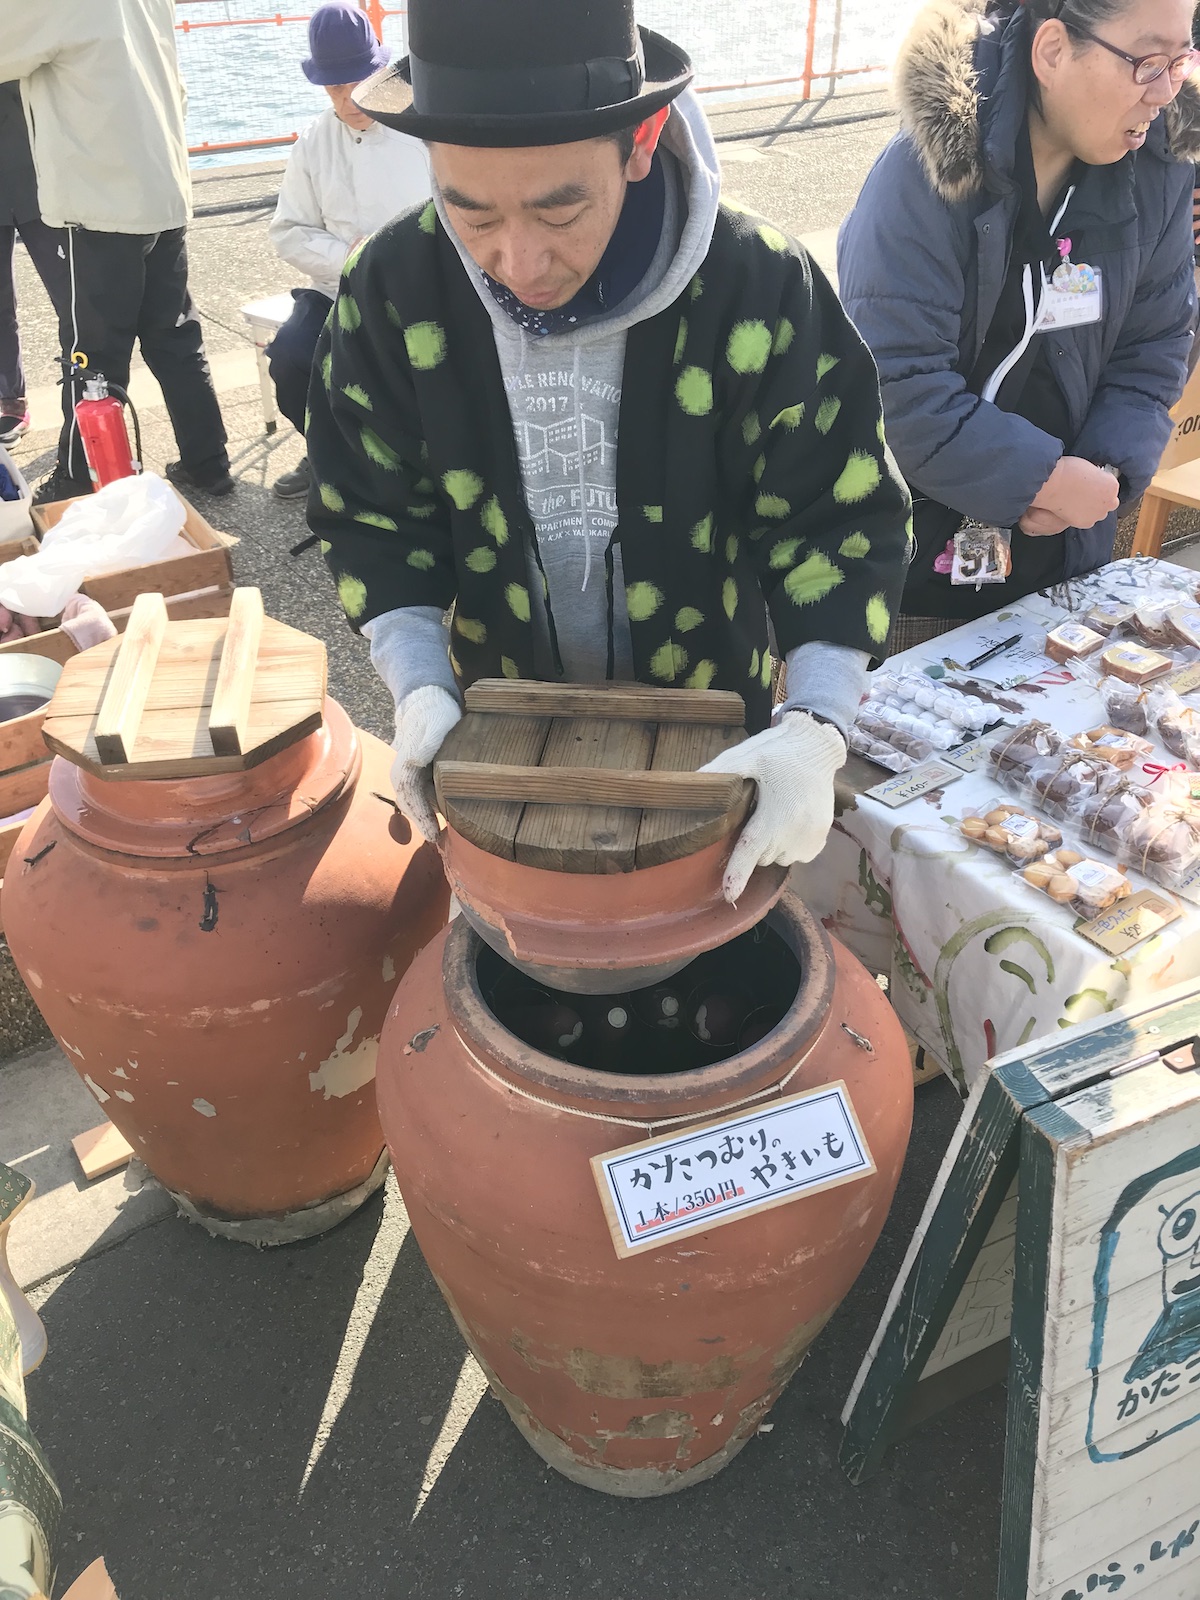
{"x":996,"y":650}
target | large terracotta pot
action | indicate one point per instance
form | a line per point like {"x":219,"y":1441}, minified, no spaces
{"x":216,"y":957}
{"x":642,"y":1375}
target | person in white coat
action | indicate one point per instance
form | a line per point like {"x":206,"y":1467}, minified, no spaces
{"x":347,"y":175}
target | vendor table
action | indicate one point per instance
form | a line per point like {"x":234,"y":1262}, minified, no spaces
{"x":979,"y":962}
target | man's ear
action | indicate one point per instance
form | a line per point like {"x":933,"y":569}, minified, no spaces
{"x":645,"y":142}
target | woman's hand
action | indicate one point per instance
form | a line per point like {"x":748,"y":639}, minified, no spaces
{"x":1078,"y":493}
{"x":1041,"y":524}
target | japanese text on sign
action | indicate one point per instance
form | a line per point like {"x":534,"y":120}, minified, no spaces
{"x":700,"y":1178}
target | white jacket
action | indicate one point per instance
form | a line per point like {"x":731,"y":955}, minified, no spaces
{"x":339,"y":186}
{"x":104,"y":101}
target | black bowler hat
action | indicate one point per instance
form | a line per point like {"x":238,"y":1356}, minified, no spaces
{"x":524,"y":72}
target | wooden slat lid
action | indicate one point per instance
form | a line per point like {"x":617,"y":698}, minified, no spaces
{"x":591,"y":777}
{"x":188,"y":699}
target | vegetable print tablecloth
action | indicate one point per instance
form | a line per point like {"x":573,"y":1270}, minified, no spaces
{"x":978,"y":962}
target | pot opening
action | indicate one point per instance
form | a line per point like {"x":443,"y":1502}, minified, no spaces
{"x":720,"y":1004}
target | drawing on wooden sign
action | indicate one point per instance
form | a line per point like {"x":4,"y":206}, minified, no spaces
{"x":1136,"y":1405}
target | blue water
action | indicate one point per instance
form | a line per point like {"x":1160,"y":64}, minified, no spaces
{"x":245,"y":82}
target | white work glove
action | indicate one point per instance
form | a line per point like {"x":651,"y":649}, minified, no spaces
{"x":85,"y":622}
{"x":423,"y":719}
{"x":793,"y":764}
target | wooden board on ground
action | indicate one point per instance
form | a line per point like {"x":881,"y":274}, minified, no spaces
{"x":101,"y":1150}
{"x":544,"y":810}
{"x":1062,"y":1242}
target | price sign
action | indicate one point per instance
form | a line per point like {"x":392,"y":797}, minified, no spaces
{"x":971,"y":757}
{"x":1130,"y":921}
{"x":700,"y":1178}
{"x":912,"y":785}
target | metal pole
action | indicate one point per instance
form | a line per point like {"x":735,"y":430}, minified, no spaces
{"x":810,"y":49}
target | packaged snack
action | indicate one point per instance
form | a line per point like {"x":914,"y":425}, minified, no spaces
{"x":1165,"y":840}
{"x":882,"y":753}
{"x":1070,"y":879}
{"x":1107,"y":817}
{"x":1134,"y":664}
{"x":1176,"y":722}
{"x":1108,"y":615}
{"x":1151,"y":625}
{"x":1017,"y":749}
{"x":1064,"y":781}
{"x":1183,"y":624}
{"x":1110,"y":744}
{"x":1071,"y":640}
{"x":1013,"y":832}
{"x":1125,"y":705}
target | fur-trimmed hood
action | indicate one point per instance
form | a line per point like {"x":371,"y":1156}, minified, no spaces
{"x":937,"y":84}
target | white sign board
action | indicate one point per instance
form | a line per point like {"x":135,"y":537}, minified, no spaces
{"x":701,"y":1177}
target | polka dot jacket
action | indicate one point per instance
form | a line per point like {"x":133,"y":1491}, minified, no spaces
{"x":752,"y":466}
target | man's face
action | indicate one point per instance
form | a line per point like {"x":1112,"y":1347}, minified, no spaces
{"x":538,"y":220}
{"x":346,"y":110}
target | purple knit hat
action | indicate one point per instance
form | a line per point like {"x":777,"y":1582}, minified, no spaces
{"x":344,"y":49}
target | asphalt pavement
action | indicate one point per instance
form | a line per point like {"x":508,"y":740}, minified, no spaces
{"x":301,"y":1423}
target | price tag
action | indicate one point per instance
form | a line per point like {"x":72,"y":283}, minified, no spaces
{"x":700,"y":1178}
{"x":912,"y":785}
{"x":1130,"y":921}
{"x":1185,"y":681}
{"x":970,"y":757}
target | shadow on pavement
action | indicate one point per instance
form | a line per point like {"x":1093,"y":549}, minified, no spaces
{"x":187,"y":1378}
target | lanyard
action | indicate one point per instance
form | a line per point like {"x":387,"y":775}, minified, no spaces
{"x":1032,"y":312}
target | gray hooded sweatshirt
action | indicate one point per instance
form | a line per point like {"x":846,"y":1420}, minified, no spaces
{"x":564,"y":396}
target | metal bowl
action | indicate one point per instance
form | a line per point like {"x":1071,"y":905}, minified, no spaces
{"x":27,"y":682}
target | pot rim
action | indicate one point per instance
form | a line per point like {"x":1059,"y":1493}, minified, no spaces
{"x":699,"y":1090}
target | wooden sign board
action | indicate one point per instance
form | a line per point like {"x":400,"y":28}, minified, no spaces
{"x":1061,"y":1244}
{"x":1184,"y":443}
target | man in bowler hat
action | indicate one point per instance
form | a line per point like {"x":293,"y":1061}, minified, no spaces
{"x":616,"y":429}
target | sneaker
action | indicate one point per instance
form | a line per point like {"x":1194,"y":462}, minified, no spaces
{"x":13,"y":425}
{"x":219,"y":484}
{"x":60,"y":486}
{"x":294,"y":485}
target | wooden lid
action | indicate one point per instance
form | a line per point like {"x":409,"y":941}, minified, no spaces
{"x":188,"y":699}
{"x":591,"y":777}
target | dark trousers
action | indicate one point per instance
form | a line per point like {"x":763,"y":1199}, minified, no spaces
{"x":48,"y":251}
{"x":134,"y":287}
{"x":290,"y":353}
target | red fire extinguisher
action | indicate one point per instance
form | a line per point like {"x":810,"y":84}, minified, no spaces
{"x":100,"y":417}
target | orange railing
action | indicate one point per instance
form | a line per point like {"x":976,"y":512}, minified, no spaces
{"x":380,"y":14}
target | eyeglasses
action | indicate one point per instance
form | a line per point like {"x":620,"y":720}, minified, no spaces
{"x":1146,"y":69}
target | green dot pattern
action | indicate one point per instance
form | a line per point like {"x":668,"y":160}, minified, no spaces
{"x":680,"y":341}
{"x":783,"y":555}
{"x":773,"y":237}
{"x":392,"y":314}
{"x":749,"y":347}
{"x":694,"y":391}
{"x":697,"y":288}
{"x":422,"y":560}
{"x":380,"y":453}
{"x":825,"y":365}
{"x":859,"y":479}
{"x":326,"y":547}
{"x":751,"y":429}
{"x":687,"y":618}
{"x":495,"y":523}
{"x":764,"y":675}
{"x":772,"y":505}
{"x":360,"y":397}
{"x":729,"y":597}
{"x":785,"y":333}
{"x":827,"y":414}
{"x":517,"y":596}
{"x":879,"y":618}
{"x":471,"y":630}
{"x":754,"y":664}
{"x":790,"y":417}
{"x":481,"y":559}
{"x":702,"y":535}
{"x":427,"y":221}
{"x":732,"y":547}
{"x":509,"y":667}
{"x":426,"y":345}
{"x":352,"y":592}
{"x":652,"y":513}
{"x":351,"y":260}
{"x":759,"y":467}
{"x":669,"y":662}
{"x":422,"y":512}
{"x":463,"y":487}
{"x":701,"y":675}
{"x":642,"y":600}
{"x":330,"y":498}
{"x":855,"y":546}
{"x":348,"y":315}
{"x":327,"y":370}
{"x":812,"y":580}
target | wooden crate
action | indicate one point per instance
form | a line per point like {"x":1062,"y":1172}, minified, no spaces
{"x":209,"y":567}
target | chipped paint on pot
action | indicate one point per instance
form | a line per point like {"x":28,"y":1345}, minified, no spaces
{"x":643,"y":1375}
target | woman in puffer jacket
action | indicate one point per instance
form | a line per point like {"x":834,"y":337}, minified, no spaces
{"x":1022,"y":390}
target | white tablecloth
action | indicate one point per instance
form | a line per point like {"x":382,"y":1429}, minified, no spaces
{"x":978,"y":961}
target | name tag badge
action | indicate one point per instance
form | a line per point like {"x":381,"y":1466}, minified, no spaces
{"x":1074,"y":299}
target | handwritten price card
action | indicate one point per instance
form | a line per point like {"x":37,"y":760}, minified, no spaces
{"x":703,"y":1177}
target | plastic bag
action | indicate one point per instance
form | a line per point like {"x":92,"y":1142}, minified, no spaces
{"x":126,"y":524}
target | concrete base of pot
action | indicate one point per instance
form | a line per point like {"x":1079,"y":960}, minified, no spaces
{"x":263,"y":1232}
